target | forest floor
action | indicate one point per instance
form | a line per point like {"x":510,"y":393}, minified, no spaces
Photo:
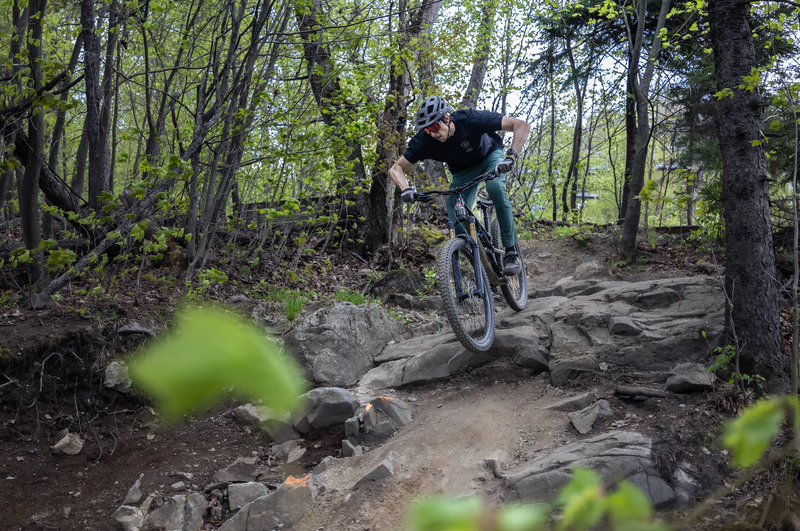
{"x":51,"y":381}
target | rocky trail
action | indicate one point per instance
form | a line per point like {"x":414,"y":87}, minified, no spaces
{"x":602,"y":369}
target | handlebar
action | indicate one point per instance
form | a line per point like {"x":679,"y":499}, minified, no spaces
{"x":425,"y":197}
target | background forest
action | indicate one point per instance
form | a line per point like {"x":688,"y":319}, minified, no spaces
{"x":141,"y":132}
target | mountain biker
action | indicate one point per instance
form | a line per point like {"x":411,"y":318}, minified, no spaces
{"x":468,"y":142}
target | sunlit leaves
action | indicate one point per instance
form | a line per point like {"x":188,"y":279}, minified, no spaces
{"x":471,"y":514}
{"x":749,"y":436}
{"x":210,"y":354}
{"x":582,"y":499}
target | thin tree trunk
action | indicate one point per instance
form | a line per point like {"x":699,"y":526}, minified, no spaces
{"x":91,"y":60}
{"x":641,"y":90}
{"x":482,"y":50}
{"x":29,"y":187}
{"x":551,"y":151}
{"x":577,"y":132}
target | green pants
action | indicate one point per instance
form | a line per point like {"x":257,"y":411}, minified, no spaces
{"x":497,"y":192}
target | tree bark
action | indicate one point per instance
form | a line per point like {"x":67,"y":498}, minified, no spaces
{"x":750,"y":283}
{"x":482,"y":50}
{"x":29,"y":187}
{"x":91,"y":61}
{"x":577,"y":133}
{"x":641,"y":91}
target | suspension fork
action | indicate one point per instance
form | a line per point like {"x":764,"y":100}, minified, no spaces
{"x":476,"y":265}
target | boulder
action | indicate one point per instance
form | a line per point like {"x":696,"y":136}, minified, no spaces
{"x":134,"y":495}
{"x":240,"y":494}
{"x":349,"y":449}
{"x":282,"y":508}
{"x":382,"y":470}
{"x":116,"y":377}
{"x":588,"y":269}
{"x":614,"y":456}
{"x":644,"y":326}
{"x":573,"y":403}
{"x":397,"y":410}
{"x":170,"y":516}
{"x":241,"y":470}
{"x":399,"y":281}
{"x":620,"y":325}
{"x":194,"y":510}
{"x":690,"y":378}
{"x":70,"y":444}
{"x":336,"y":344}
{"x":585,"y":419}
{"x":389,"y":374}
{"x":130,"y":518}
{"x":328,"y":406}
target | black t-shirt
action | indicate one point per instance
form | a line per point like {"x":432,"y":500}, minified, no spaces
{"x":475,"y":138}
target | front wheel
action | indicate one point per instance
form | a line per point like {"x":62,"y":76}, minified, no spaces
{"x":466,"y":295}
{"x":515,"y":290}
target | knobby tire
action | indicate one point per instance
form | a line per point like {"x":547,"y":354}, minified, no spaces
{"x":515,"y":291}
{"x":471,"y":313}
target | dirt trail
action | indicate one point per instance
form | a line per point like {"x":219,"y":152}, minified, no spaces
{"x":456,"y":424}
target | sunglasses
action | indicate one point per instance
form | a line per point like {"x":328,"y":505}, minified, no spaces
{"x":432,"y":128}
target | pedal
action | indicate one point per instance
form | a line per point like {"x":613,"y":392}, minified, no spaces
{"x":495,"y":250}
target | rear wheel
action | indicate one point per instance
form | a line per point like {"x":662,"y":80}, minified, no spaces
{"x":515,"y":290}
{"x":465,"y":292}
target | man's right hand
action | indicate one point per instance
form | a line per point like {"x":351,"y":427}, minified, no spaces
{"x":408,"y":195}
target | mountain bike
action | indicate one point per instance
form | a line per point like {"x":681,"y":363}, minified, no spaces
{"x":470,"y":267}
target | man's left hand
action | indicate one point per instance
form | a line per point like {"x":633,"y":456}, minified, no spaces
{"x":505,"y":165}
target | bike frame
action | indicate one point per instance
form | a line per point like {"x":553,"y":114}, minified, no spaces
{"x":478,"y":234}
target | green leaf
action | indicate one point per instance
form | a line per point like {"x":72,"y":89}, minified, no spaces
{"x":582,"y":499}
{"x":628,"y":505}
{"x":523,"y":517}
{"x":749,"y":436}
{"x":210,"y":354}
{"x":437,"y":514}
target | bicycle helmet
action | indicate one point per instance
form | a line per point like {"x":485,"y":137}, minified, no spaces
{"x":431,"y":111}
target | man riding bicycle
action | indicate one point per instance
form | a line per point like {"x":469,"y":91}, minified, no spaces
{"x":467,"y":141}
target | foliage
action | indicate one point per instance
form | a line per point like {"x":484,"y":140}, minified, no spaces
{"x":293,"y":302}
{"x":749,"y":436}
{"x":725,"y":357}
{"x":348,"y":295}
{"x":210,"y":353}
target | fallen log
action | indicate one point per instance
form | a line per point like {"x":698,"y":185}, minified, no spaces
{"x":641,"y":391}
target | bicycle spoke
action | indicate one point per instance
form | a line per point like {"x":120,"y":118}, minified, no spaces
{"x":468,"y":303}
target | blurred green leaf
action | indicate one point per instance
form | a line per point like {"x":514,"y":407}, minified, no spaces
{"x":437,"y":514}
{"x":582,"y":499}
{"x":628,"y":505}
{"x":210,"y":354}
{"x":749,"y":436}
{"x":523,"y":517}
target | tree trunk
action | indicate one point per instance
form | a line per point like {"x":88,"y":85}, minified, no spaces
{"x":29,"y":187}
{"x":577,"y":132}
{"x":482,"y":50}
{"x":91,"y":60}
{"x":750,"y":283}
{"x":107,"y":91}
{"x":630,"y":146}
{"x":332,"y":103}
{"x":552,"y":149}
{"x":641,"y":91}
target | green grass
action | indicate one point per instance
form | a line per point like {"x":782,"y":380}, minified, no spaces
{"x":348,"y":295}
{"x":293,"y":302}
